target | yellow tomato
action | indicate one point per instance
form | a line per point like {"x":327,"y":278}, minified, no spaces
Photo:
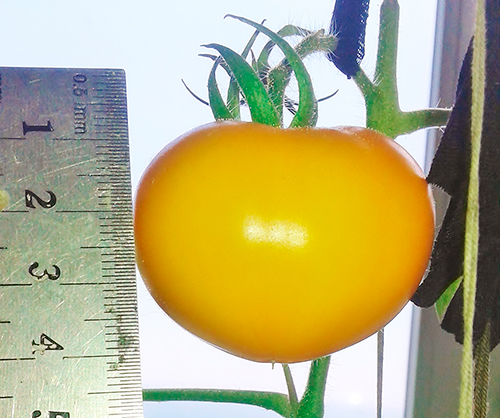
{"x":282,"y":245}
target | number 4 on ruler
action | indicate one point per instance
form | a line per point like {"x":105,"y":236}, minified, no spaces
{"x":46,"y":343}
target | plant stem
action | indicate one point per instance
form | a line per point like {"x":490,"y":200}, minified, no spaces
{"x":383,"y":113}
{"x":292,"y":392}
{"x":276,"y":402}
{"x":385,"y":70}
{"x":312,"y":404}
{"x":471,"y":237}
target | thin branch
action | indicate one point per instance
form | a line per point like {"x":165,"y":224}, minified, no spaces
{"x":425,"y":118}
{"x":385,"y":71}
{"x":276,"y":402}
{"x":292,"y":392}
{"x":383,"y":113}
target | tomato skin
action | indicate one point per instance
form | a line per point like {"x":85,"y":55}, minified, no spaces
{"x":282,"y":245}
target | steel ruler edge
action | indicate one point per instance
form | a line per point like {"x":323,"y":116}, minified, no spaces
{"x":69,"y":338}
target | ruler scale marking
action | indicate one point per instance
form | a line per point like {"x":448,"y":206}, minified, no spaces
{"x":61,"y":316}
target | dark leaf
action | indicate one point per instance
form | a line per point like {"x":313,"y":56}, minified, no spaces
{"x":450,"y":170}
{"x":348,"y":24}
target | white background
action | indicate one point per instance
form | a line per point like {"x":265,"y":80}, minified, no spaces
{"x":157,"y":43}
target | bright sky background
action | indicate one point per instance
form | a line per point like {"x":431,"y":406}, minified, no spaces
{"x":157,"y":43}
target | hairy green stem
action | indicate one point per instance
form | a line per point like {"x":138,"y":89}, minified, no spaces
{"x":385,"y":70}
{"x":312,"y":404}
{"x":471,"y":236}
{"x":292,"y":392}
{"x":383,"y":113}
{"x":276,"y":402}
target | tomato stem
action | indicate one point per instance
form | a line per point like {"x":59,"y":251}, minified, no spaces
{"x":383,"y":113}
{"x":272,"y":401}
{"x":310,"y":406}
{"x":385,"y":69}
{"x":292,"y":392}
{"x":312,"y":403}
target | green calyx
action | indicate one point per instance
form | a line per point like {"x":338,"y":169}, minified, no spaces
{"x":261,"y":87}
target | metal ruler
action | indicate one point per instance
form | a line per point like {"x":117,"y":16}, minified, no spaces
{"x":69,"y":340}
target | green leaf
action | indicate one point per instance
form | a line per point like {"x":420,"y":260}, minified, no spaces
{"x":261,"y":107}
{"x":445,"y":299}
{"x":233,"y":98}
{"x":219,"y":108}
{"x":307,"y":110}
{"x":233,"y":92}
{"x":250,"y":42}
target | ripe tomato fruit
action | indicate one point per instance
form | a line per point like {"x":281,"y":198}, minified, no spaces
{"x":282,"y":245}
